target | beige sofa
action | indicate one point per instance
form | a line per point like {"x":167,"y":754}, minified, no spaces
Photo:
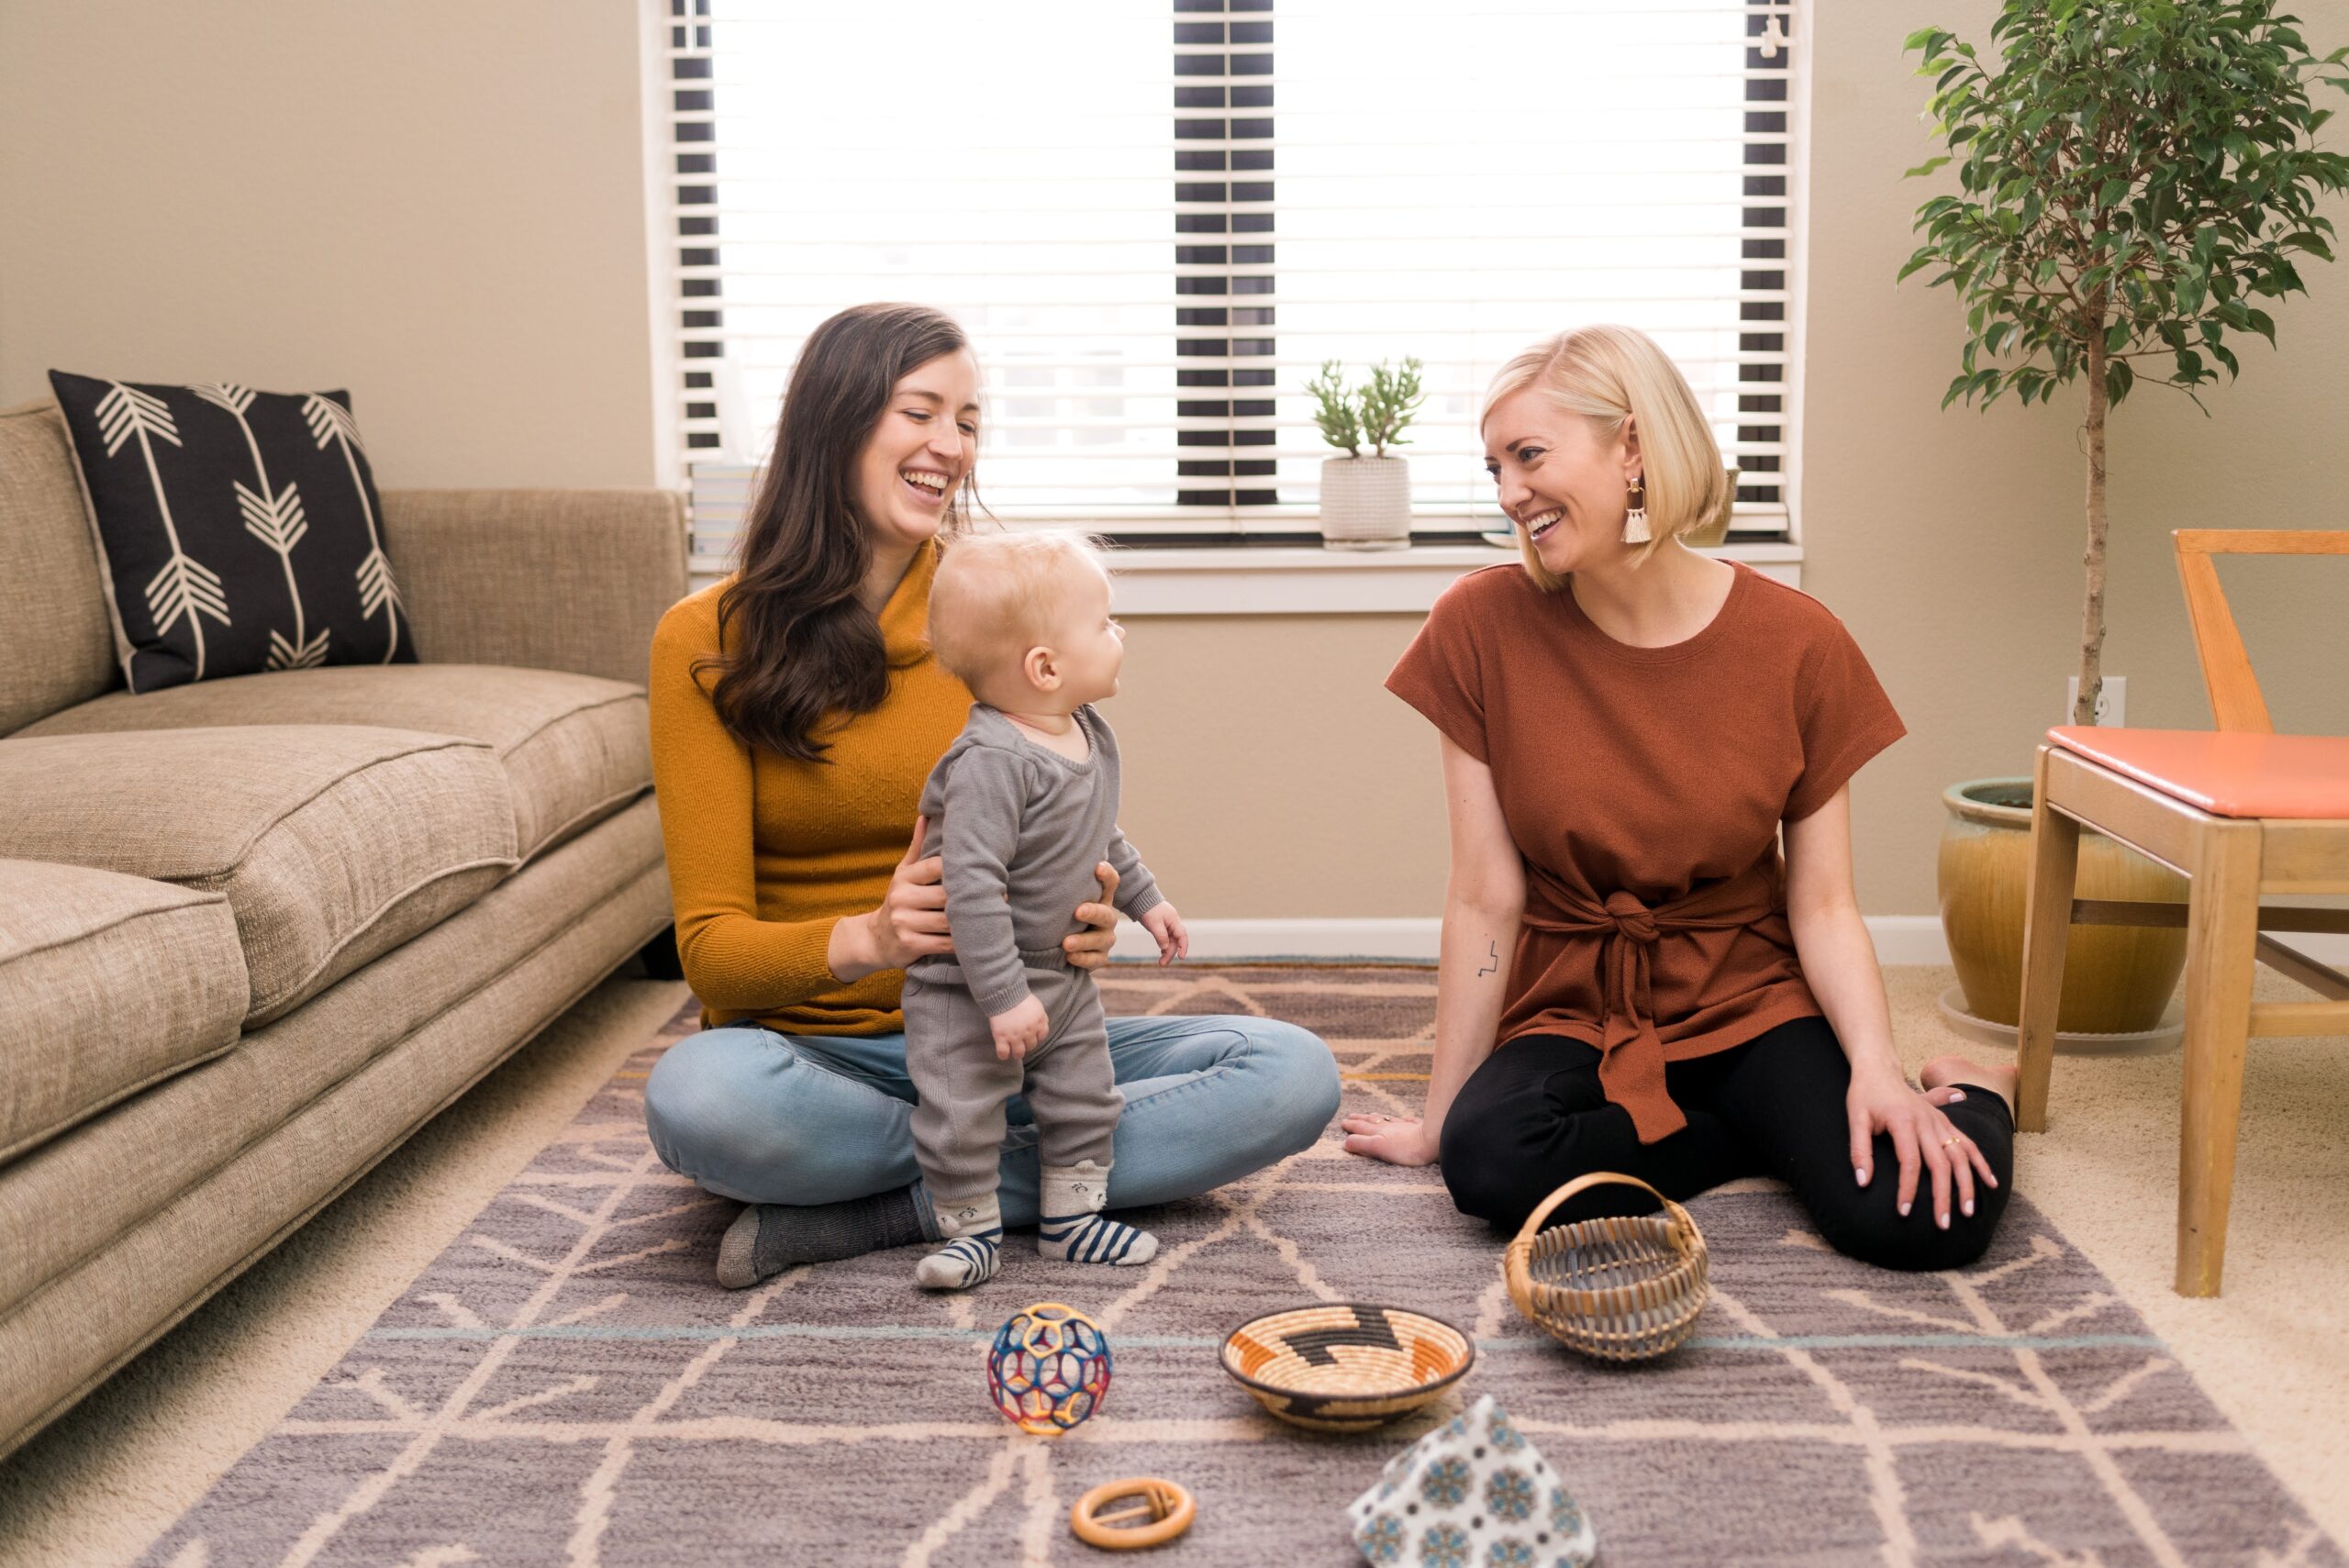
{"x":255,"y":931}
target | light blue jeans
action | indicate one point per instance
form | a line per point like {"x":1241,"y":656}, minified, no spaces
{"x":767,"y":1118}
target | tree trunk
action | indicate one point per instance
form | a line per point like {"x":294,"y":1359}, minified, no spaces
{"x":2092,"y":611}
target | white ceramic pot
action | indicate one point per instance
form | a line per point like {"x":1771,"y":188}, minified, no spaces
{"x":1365,"y":503}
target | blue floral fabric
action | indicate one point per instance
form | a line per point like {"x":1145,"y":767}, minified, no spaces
{"x":1472,"y":1494}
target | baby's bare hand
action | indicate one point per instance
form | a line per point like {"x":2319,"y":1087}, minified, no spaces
{"x":1021,"y":1031}
{"x":1174,"y":937}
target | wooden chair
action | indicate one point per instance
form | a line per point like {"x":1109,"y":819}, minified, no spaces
{"x":2243,"y":813}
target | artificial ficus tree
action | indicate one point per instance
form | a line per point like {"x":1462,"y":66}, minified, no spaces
{"x":2133,"y":175}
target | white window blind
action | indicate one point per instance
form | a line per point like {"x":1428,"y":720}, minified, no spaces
{"x":1157,"y":217}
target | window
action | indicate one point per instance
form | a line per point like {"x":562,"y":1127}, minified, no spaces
{"x":1157,"y":217}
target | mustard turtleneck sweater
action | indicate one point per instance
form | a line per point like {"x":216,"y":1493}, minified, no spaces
{"x":765,"y":853}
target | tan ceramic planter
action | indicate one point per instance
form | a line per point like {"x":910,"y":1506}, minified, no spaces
{"x":2117,"y":979}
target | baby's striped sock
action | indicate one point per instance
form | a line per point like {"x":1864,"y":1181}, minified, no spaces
{"x":1073,"y":1228}
{"x":974,"y":1248}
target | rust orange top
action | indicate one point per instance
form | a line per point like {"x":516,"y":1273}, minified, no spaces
{"x":2227,"y":775}
{"x":1644,"y":787}
{"x":766,"y":854}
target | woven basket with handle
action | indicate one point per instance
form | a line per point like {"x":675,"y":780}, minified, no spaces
{"x":1619,"y":1288}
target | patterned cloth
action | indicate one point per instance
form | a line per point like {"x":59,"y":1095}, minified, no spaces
{"x":1472,"y":1494}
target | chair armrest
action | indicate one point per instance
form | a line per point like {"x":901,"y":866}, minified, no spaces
{"x":547,"y":579}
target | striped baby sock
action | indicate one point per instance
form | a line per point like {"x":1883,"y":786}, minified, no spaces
{"x":974,"y":1232}
{"x":1072,"y":1228}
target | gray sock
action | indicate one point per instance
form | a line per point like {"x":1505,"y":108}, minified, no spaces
{"x":768,"y":1238}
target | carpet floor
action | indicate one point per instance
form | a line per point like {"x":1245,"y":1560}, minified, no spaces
{"x":565,"y":1384}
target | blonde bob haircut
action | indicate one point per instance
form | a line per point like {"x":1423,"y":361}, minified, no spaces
{"x":1608,"y":374}
{"x":997,"y":596}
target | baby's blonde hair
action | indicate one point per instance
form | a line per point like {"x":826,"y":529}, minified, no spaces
{"x":1610,"y":374}
{"x":995,"y":595}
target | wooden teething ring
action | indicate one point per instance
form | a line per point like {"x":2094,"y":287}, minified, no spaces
{"x":1169,"y":1508}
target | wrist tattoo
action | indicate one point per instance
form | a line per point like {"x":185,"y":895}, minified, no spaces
{"x":1494,"y":948}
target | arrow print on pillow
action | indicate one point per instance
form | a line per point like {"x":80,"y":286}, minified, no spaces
{"x":278,"y":522}
{"x":330,"y":421}
{"x":185,"y":587}
{"x":284,"y":655}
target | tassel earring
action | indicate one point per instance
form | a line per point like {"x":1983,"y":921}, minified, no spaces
{"x":1635,"y":523}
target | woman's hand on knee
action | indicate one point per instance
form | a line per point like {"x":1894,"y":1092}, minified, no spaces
{"x":910,"y":923}
{"x":1089,"y":949}
{"x":1397,"y":1139}
{"x":1923,"y":1138}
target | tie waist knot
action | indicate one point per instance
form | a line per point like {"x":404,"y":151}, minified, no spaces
{"x":1631,"y":918}
{"x":1626,"y":930}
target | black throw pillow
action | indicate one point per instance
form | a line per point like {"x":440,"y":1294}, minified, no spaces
{"x":239,"y":530}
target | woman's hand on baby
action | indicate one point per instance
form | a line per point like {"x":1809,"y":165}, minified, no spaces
{"x":911,"y":921}
{"x":1089,"y":949}
{"x":1021,"y":1031}
{"x":1397,"y":1139}
{"x":1174,"y":937}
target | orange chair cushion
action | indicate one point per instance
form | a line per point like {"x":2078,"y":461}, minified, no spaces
{"x":2226,"y":775}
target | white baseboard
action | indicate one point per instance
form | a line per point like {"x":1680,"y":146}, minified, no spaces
{"x":1909,"y":938}
{"x":1899,"y":938}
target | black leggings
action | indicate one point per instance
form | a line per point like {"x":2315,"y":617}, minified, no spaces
{"x":1533,"y":1117}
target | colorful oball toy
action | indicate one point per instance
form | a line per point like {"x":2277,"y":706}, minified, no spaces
{"x":1049,"y":1369}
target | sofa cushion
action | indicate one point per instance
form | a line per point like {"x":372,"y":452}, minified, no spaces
{"x":56,"y":647}
{"x":575,"y":748}
{"x":240,"y":529}
{"x":333,"y":843}
{"x":107,"y":984}
{"x":70,"y":1198}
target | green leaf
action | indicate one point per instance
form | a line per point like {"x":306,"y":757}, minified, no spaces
{"x":1927,"y":167}
{"x":2117,"y":379}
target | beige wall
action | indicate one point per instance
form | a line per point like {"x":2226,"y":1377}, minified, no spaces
{"x":1268,"y":773}
{"x":439,"y":205}
{"x":443,"y":207}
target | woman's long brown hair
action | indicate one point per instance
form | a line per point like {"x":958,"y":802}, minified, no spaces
{"x":803,"y":648}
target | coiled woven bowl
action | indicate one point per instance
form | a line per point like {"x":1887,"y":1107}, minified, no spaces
{"x":1623,"y":1288}
{"x":1345,"y":1366}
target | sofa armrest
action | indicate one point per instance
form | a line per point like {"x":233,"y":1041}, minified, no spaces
{"x":547,"y":579}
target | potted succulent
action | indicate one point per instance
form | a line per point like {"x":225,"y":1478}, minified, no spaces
{"x":2135,"y":179}
{"x":1366,"y":500}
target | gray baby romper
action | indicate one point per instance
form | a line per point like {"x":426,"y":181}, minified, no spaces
{"x":1021,"y":828}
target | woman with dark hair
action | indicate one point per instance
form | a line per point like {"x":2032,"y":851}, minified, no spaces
{"x":796,"y":711}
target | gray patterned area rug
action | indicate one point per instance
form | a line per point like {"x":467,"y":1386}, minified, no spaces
{"x":565,"y":1384}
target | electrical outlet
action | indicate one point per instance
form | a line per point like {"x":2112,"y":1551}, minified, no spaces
{"x":2111,"y":700}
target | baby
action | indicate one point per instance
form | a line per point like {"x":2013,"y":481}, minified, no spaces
{"x":1022,"y":807}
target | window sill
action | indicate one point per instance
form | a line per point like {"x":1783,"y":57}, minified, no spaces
{"x":1287,"y":581}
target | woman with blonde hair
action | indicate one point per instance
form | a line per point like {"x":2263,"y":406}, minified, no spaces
{"x":1634,"y":976}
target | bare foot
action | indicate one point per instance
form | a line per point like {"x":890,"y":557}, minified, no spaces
{"x":1943,"y":1071}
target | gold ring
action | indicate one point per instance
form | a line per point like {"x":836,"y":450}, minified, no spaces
{"x":1947,"y":1142}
